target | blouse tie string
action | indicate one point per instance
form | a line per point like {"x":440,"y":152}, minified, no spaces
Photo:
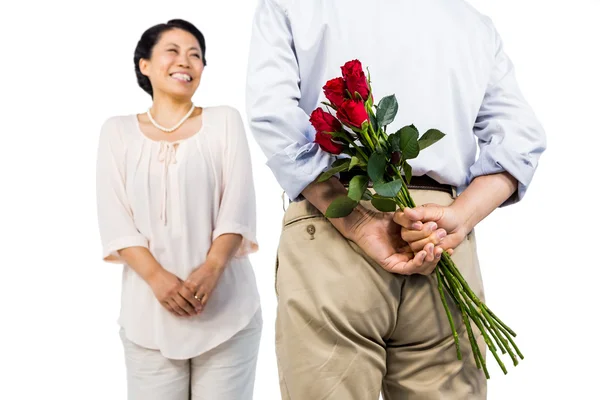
{"x":166,"y":155}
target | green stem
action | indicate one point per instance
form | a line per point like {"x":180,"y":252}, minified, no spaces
{"x":495,"y":328}
{"x":479,"y":360}
{"x":477,"y":356}
{"x":477,"y":319}
{"x":450,"y":264}
{"x":454,"y":333}
{"x":506,"y":333}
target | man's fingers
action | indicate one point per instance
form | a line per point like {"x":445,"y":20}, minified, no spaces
{"x":410,"y":235}
{"x":435,"y":239}
{"x":429,"y":250}
{"x":405,"y":221}
{"x":428,"y":212}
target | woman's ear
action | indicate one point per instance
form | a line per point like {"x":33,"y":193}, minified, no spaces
{"x":144,"y":66}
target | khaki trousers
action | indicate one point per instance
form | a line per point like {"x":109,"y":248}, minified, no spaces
{"x":346,"y":329}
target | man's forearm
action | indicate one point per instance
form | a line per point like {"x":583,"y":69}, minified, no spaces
{"x":321,"y":194}
{"x":141,"y":260}
{"x":482,"y":196}
{"x":223,"y":249}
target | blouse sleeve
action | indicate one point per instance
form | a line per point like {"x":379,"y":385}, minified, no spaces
{"x":115,"y":217}
{"x":237,"y":208}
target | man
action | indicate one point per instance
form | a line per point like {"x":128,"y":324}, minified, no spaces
{"x":357,"y":316}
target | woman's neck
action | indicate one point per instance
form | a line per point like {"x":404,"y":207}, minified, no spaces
{"x":168,"y":111}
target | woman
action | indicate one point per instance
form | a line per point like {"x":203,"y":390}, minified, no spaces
{"x":176,"y":206}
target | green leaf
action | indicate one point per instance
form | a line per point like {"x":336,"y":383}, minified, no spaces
{"x":367,"y":195}
{"x":376,"y":167}
{"x":358,"y":185}
{"x":409,"y":145}
{"x":389,"y":189}
{"x":338,"y":166}
{"x":340,"y":207}
{"x":387,"y":109}
{"x":339,"y":162}
{"x":394,"y":140}
{"x":429,"y":138}
{"x":354,"y":161}
{"x":384,"y":205}
{"x":407,"y":171}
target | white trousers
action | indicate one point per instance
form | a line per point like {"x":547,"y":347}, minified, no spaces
{"x":226,"y":372}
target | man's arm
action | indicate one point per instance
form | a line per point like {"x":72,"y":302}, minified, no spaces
{"x":279,"y":125}
{"x":282,"y":129}
{"x":511,"y":141}
{"x":511,"y":138}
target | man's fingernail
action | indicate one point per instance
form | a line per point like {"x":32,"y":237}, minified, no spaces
{"x":416,"y":226}
{"x":441,"y":234}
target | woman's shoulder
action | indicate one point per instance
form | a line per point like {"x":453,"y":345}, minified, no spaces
{"x":119,"y":125}
{"x":225,"y":117}
{"x":221,"y":112}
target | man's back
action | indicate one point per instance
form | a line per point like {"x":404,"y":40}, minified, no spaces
{"x":349,"y":323}
{"x":439,"y":57}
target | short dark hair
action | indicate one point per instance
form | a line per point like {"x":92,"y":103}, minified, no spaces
{"x":151,"y":37}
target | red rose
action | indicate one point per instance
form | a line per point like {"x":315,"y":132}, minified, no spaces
{"x":355,"y":79}
{"x":353,"y":113}
{"x":324,"y":122}
{"x":325,"y":141}
{"x":335,"y":91}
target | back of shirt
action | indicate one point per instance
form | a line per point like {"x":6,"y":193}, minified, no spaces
{"x":442,"y":59}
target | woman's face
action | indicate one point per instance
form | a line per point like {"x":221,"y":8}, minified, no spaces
{"x":175,"y":65}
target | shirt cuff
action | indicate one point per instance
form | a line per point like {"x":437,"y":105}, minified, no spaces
{"x":110,"y":252}
{"x":297,"y":166}
{"x":249,"y":243}
{"x":496,"y":159}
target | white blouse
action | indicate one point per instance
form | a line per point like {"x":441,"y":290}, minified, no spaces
{"x":175,"y":198}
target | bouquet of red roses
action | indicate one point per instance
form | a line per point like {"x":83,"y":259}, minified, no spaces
{"x":359,"y":132}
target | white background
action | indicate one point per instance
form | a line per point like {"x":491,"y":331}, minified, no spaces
{"x":66,"y":67}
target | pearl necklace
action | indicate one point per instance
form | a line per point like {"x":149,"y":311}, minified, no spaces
{"x":169,"y":130}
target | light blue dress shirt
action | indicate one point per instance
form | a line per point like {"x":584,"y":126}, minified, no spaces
{"x":443,"y":60}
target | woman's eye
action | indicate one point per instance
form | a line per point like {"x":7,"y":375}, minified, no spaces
{"x":173,"y":50}
{"x":196,"y":55}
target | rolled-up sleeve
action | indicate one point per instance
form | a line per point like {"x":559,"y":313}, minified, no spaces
{"x":511,"y":138}
{"x":115,"y":217}
{"x":237,"y":206}
{"x":280,"y":127}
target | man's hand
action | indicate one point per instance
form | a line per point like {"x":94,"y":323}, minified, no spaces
{"x":419,"y":226}
{"x":379,"y":237}
{"x":374,"y":232}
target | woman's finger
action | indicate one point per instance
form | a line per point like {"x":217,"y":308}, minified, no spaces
{"x":176,"y":308}
{"x":188,"y":295}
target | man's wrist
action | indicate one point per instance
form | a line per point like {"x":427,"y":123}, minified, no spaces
{"x":350,"y":225}
{"x":322,"y":194}
{"x":465,"y":216}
